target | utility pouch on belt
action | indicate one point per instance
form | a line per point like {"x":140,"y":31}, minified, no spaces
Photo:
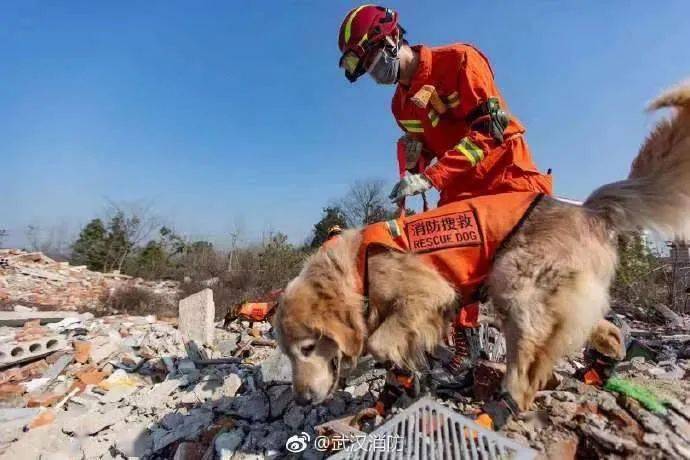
{"x":489,"y":118}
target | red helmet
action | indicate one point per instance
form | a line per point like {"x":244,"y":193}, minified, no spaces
{"x":363,"y":28}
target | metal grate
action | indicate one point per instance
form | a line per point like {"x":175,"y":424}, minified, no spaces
{"x":429,"y":431}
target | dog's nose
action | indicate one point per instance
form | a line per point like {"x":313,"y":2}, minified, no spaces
{"x":304,"y":398}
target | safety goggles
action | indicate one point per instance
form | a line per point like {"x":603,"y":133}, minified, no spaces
{"x":357,"y":61}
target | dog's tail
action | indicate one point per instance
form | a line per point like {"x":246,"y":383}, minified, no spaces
{"x":656,"y":194}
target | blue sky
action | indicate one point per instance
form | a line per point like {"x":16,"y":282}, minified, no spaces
{"x":221,"y":114}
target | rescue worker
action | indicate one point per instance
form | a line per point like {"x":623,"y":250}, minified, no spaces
{"x":449,"y":107}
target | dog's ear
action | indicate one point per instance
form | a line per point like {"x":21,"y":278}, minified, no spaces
{"x":348,"y":334}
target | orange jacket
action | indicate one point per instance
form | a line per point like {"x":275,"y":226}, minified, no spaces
{"x":459,"y":239}
{"x":469,"y":161}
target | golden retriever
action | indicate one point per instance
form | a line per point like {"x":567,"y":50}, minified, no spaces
{"x":549,"y":283}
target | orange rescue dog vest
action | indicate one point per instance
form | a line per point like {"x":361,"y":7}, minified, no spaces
{"x":459,"y":239}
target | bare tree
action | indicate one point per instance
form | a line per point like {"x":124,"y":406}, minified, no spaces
{"x":235,"y":238}
{"x":365,"y":203}
{"x":232,"y":252}
{"x":53,"y":241}
{"x":130,"y":224}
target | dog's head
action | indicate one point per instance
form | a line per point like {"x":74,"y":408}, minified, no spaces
{"x":319,"y":325}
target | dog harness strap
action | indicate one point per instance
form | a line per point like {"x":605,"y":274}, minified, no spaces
{"x":394,"y":228}
{"x":517,"y":227}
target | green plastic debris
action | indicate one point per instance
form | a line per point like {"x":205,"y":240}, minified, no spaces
{"x":639,"y":393}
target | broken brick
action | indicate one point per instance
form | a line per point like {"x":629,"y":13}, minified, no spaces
{"x":190,"y":451}
{"x":487,"y":379}
{"x":31,"y":333}
{"x":91,"y":376}
{"x":11,"y":375}
{"x":27,"y":372}
{"x":564,"y":449}
{"x":626,"y":423}
{"x":44,"y":418}
{"x":45,"y":282}
{"x":11,"y":390}
{"x":43,"y":399}
{"x":81,"y":386}
{"x":588,"y":407}
{"x":82,"y":351}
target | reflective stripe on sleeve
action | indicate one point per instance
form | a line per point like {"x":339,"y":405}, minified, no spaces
{"x":412,"y":126}
{"x":472,"y":151}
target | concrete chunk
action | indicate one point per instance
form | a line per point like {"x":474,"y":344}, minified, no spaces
{"x":155,"y":397}
{"x":253,"y":406}
{"x":280,"y":396}
{"x":197,"y":313}
{"x":276,"y":368}
{"x":45,"y":442}
{"x":103,"y":347}
{"x":18,"y":318}
{"x":193,"y":424}
{"x":94,"y":421}
{"x":232,"y":383}
{"x":134,"y":440}
{"x":186,"y":366}
{"x":11,"y":414}
{"x":15,"y":352}
{"x":226,"y":444}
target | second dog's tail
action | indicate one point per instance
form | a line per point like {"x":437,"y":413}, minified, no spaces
{"x":656,"y":193}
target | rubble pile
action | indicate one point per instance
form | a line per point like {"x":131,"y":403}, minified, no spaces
{"x":35,"y":279}
{"x":575,"y":418}
{"x":124,"y":386}
{"x":133,"y":386}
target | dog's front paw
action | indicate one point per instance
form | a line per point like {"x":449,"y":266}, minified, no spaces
{"x":608,"y":340}
{"x":377,"y":348}
{"x":385,"y":346}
